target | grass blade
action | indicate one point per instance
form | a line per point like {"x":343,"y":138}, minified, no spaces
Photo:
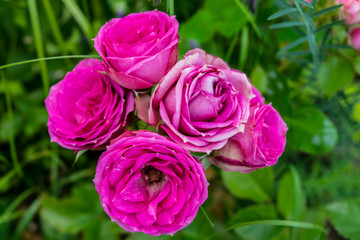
{"x":286,"y":24}
{"x":207,"y":217}
{"x":47,"y":59}
{"x":27,"y":217}
{"x":79,"y":17}
{"x":281,"y":13}
{"x":15,"y":203}
{"x":249,"y":16}
{"x":232,"y":46}
{"x":34,"y":17}
{"x":77,"y":176}
{"x":170,"y":7}
{"x":12,"y":144}
{"x":281,"y":223}
{"x":244,"y":47}
{"x":54,"y":26}
{"x":326,"y":10}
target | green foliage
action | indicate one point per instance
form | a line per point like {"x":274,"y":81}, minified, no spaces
{"x":302,"y":19}
{"x":345,"y":217}
{"x":334,"y":75}
{"x":256,"y":186}
{"x":311,"y":131}
{"x":216,"y":16}
{"x":255,"y":213}
{"x":291,"y":198}
{"x":79,"y":212}
{"x":294,"y":52}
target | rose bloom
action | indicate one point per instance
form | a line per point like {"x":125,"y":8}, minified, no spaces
{"x":350,"y":11}
{"x":355,"y":38}
{"x":147,"y":183}
{"x":261,"y":144}
{"x":139,"y":49}
{"x":202,"y":102}
{"x":86,"y":109}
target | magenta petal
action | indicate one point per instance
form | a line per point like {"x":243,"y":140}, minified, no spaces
{"x":86,"y":111}
{"x":140,"y":48}
{"x":147,"y":183}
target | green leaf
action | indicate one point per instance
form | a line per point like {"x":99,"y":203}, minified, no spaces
{"x":256,"y":186}
{"x":291,"y":197}
{"x":286,"y":24}
{"x":356,"y":62}
{"x":294,"y":54}
{"x":254,"y":213}
{"x":244,"y":47}
{"x":102,"y":230}
{"x":305,"y":3}
{"x":229,"y":19}
{"x":313,"y":46}
{"x":330,"y":25}
{"x":200,"y":26}
{"x":14,"y":204}
{"x":5,"y":181}
{"x":72,"y":214}
{"x":79,"y":17}
{"x":311,"y":131}
{"x":283,"y":223}
{"x":344,"y":215}
{"x":334,"y":75}
{"x":336,"y":46}
{"x":281,"y":13}
{"x":326,"y":10}
{"x":78,"y":154}
{"x":292,"y":45}
{"x":259,"y":78}
{"x":28,"y":216}
{"x":249,"y":17}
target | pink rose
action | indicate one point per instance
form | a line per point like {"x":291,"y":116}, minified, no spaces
{"x":350,"y":11}
{"x":86,"y":109}
{"x":202,"y":102}
{"x":139,"y":49}
{"x":355,"y":38}
{"x":261,"y":144}
{"x":149,"y":184}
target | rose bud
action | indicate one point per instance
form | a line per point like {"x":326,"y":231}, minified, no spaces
{"x":202,"y":102}
{"x":147,"y":183}
{"x":86,"y":109}
{"x":355,"y":38}
{"x":350,"y":11}
{"x":261,"y":144}
{"x":139,"y":49}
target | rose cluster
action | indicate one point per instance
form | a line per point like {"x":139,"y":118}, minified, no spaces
{"x":149,"y":181}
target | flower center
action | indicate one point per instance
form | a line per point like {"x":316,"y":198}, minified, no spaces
{"x":153,"y":175}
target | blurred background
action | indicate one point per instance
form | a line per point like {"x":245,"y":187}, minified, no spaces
{"x":47,"y":193}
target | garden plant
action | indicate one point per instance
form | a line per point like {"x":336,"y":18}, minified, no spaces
{"x":164,"y":119}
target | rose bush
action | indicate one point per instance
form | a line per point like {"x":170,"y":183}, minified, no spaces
{"x":201,"y":101}
{"x":261,"y":144}
{"x":350,"y":11}
{"x":86,"y":109}
{"x":139,"y":49}
{"x":148,"y":183}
